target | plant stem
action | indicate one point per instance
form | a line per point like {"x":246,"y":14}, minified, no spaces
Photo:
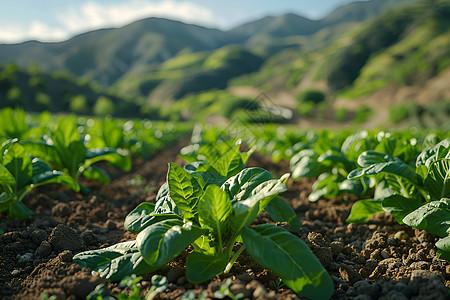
{"x":233,"y":259}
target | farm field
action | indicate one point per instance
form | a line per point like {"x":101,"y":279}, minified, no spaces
{"x":369,"y":211}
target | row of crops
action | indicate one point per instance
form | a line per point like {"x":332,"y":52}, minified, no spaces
{"x":406,"y":174}
{"x":43,"y":149}
{"x":211,"y":203}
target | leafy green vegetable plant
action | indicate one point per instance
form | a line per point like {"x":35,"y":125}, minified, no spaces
{"x":65,"y":150}
{"x":19,"y":173}
{"x":211,"y":208}
{"x":417,"y":196}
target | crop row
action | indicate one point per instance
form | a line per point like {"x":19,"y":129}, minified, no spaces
{"x":42,"y":150}
{"x":402,"y":173}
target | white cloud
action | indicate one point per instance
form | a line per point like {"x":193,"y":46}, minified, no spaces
{"x":35,"y":30}
{"x":92,"y":15}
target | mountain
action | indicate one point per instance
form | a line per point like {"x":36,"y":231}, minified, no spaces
{"x":361,"y":11}
{"x":105,"y":55}
{"x":167,"y":66}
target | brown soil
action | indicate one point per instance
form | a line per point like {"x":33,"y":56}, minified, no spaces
{"x":381,"y":260}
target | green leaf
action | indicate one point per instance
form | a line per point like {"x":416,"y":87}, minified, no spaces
{"x":184,"y":190}
{"x":5,"y":201}
{"x":201,"y":267}
{"x":111,"y":155}
{"x":433,"y":217}
{"x":144,"y":215}
{"x":354,"y":187}
{"x":437,"y":181}
{"x":56,"y":177}
{"x":135,"y":219}
{"x":159,"y":243}
{"x":439,"y":151}
{"x":308,"y":167}
{"x":362,"y":210}
{"x":230,"y":163}
{"x":393,"y":167}
{"x":371,"y":157}
{"x":73,"y":157}
{"x":18,"y":163}
{"x":280,"y":211}
{"x":18,"y":210}
{"x":444,"y":248}
{"x":6,"y":178}
{"x":97,"y":174}
{"x":242,"y":185}
{"x":65,"y":134}
{"x":246,"y":211}
{"x":45,"y":152}
{"x":213,"y":210}
{"x":355,"y":144}
{"x":337,"y":160}
{"x":399,"y":206}
{"x":114,"y":262}
{"x":289,"y":258}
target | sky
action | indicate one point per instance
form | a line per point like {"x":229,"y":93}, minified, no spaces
{"x":57,"y":20}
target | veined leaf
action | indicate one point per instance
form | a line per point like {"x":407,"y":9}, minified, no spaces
{"x":289,"y":258}
{"x":114,"y":262}
{"x":393,"y":167}
{"x":213,"y":210}
{"x":362,"y":210}
{"x":45,"y":152}
{"x":230,"y":163}
{"x":439,"y":151}
{"x":371,"y":157}
{"x":184,"y":190}
{"x":280,"y":211}
{"x":399,"y":206}
{"x":437,"y":181}
{"x":242,"y":185}
{"x":18,"y":163}
{"x":6,"y":178}
{"x":144,"y":215}
{"x":246,"y":211}
{"x":159,"y":243}
{"x":433,"y":217}
{"x":201,"y":267}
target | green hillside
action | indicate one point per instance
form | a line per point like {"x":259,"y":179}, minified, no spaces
{"x":166,"y":68}
{"x":36,"y":91}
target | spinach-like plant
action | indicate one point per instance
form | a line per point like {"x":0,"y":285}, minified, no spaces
{"x":331,"y":165}
{"x":65,"y":150}
{"x":417,"y":196}
{"x":211,"y":207}
{"x":19,"y":173}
